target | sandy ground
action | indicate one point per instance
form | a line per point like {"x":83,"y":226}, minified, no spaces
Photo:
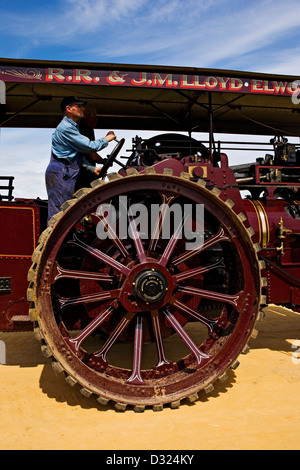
{"x":258,"y":408}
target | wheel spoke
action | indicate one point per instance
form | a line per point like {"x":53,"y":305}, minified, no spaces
{"x":162,"y":361}
{"x":200,"y":356}
{"x":112,"y":235}
{"x":76,"y":341}
{"x":135,"y":235}
{"x":102,"y":354}
{"x":219,"y":237}
{"x":172,"y":243}
{"x":59,"y":272}
{"x":136,"y":377}
{"x":100,"y":255}
{"x":185,"y":308}
{"x":235,"y":300}
{"x":110,"y":294}
{"x":196,"y":271}
{"x":155,"y":235}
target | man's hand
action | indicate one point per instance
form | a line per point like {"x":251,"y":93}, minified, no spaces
{"x":97,"y":171}
{"x":110,"y":136}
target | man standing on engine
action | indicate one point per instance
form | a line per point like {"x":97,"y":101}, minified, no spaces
{"x":67,"y":153}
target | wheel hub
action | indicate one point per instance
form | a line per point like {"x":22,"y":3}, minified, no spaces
{"x":149,"y":286}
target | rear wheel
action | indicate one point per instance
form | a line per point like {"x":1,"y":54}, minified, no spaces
{"x":146,"y":289}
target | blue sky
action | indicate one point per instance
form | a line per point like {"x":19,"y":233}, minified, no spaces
{"x":257,"y":36}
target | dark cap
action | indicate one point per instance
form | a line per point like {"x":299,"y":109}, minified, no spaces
{"x":69,"y":100}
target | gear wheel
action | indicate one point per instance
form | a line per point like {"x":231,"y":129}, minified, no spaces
{"x":136,"y":318}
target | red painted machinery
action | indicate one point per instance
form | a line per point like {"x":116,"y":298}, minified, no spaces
{"x":147,"y":286}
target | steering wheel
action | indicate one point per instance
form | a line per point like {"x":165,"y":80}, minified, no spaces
{"x":111,"y":158}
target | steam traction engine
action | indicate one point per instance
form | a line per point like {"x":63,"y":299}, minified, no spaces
{"x":146,"y":287}
{"x":137,"y":318}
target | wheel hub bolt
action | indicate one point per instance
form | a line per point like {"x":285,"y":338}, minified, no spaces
{"x":150,"y":286}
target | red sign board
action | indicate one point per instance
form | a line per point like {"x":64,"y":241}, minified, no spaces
{"x":149,"y":79}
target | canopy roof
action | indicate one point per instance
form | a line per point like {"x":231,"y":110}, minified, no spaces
{"x":146,"y":97}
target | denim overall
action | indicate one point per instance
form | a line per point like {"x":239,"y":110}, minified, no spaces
{"x":61,"y":175}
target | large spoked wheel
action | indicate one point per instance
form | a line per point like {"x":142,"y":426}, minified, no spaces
{"x":146,"y":290}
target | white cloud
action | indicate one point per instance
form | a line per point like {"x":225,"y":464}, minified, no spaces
{"x":92,"y":14}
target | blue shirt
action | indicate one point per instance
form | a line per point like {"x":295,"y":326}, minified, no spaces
{"x":67,"y":141}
